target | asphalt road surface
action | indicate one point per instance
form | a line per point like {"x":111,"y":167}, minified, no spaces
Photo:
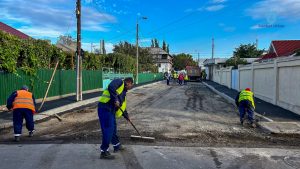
{"x":193,"y":127}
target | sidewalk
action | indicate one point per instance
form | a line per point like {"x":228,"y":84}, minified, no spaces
{"x":60,"y":105}
{"x":278,"y":120}
{"x":264,"y":108}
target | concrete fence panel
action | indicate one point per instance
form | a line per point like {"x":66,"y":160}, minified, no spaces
{"x":245,"y":77}
{"x":289,"y":85}
{"x":235,"y":79}
{"x":264,"y":81}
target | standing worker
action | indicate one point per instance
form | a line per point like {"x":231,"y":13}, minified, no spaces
{"x":186,"y":78}
{"x":112,"y":100}
{"x":168,"y":77}
{"x":245,"y":101}
{"x":23,"y":104}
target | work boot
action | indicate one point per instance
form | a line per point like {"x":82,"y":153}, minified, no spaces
{"x":17,"y":138}
{"x":31,"y":133}
{"x":242,"y":123}
{"x":119,"y":148}
{"x":106,"y":155}
{"x":253,"y":125}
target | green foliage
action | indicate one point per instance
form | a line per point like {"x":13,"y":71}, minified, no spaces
{"x":247,"y":51}
{"x":182,"y":60}
{"x":235,"y":62}
{"x":28,"y":55}
{"x":128,"y":51}
{"x":164,"y":46}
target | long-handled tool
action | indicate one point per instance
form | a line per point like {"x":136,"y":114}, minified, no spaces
{"x":139,"y":137}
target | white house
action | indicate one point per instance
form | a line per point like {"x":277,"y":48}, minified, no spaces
{"x":162,"y":59}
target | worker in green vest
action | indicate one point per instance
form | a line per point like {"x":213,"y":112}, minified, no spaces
{"x":245,"y":102}
{"x":112,"y":104}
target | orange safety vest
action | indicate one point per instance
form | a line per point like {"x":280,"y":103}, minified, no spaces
{"x":24,"y":100}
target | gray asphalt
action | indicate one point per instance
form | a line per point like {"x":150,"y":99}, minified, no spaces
{"x":75,"y":156}
{"x":264,"y":108}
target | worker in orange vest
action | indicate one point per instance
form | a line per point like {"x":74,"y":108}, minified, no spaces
{"x":23,"y":104}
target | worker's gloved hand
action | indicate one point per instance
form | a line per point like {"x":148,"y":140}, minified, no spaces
{"x":117,"y":104}
{"x":125,"y":115}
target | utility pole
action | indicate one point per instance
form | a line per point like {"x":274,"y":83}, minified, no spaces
{"x":137,"y":51}
{"x":137,"y":48}
{"x":91,"y":47}
{"x":198,"y":59}
{"x":79,"y":61}
{"x":256,"y":43}
{"x":213,"y":48}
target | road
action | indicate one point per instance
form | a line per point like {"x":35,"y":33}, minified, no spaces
{"x":191,"y":124}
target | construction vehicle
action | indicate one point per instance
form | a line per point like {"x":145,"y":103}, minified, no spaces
{"x":194,"y":73}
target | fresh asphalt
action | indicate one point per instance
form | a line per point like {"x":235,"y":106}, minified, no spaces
{"x":262,"y":107}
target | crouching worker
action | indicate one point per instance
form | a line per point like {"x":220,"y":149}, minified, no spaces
{"x":112,"y":100}
{"x":23,"y":104}
{"x":245,"y":102}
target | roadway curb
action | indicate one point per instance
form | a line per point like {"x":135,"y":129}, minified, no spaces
{"x":232,"y":101}
{"x":65,"y":108}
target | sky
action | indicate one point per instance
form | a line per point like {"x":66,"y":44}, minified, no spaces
{"x":188,"y":26}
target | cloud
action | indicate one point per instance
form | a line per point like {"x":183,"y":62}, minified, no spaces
{"x":218,"y":1}
{"x":145,"y":40}
{"x":227,"y":28}
{"x":46,"y":18}
{"x":87,"y":46}
{"x":273,"y":10}
{"x":255,"y":27}
{"x":213,"y":8}
{"x":188,"y":10}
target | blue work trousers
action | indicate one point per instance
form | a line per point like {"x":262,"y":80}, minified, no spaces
{"x":245,"y":106}
{"x":108,"y":125}
{"x":18,"y":115}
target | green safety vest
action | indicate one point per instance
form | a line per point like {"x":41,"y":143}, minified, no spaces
{"x":186,"y":77}
{"x":246,"y":95}
{"x":105,"y":98}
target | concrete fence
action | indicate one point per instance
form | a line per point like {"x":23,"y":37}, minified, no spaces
{"x":277,"y":81}
{"x":223,"y":76}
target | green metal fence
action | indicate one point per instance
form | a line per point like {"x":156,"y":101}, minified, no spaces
{"x":64,"y":82}
{"x":149,"y":77}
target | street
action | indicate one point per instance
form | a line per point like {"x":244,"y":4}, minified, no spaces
{"x":192,"y":126}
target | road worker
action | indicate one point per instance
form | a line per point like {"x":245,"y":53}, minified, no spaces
{"x":112,"y":104}
{"x":245,"y":102}
{"x":186,"y":78}
{"x":23,"y":104}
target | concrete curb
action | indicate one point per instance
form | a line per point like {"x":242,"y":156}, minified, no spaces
{"x":232,"y":101}
{"x":67,"y":107}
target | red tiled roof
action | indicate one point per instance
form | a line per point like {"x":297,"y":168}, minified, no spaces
{"x":282,"y":48}
{"x":13,"y":31}
{"x":267,"y":56}
{"x":286,"y":47}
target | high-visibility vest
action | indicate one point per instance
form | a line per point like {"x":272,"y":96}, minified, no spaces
{"x":246,"y":95}
{"x":186,"y":77}
{"x":24,"y":100}
{"x":105,"y":98}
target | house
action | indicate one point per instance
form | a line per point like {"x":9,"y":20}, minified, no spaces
{"x":13,"y":31}
{"x":162,"y":59}
{"x":281,"y":48}
{"x":212,"y":65}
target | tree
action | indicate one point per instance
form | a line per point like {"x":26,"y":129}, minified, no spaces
{"x":164,"y":45}
{"x":235,"y":62}
{"x":247,"y":51}
{"x":152,"y":43}
{"x":182,"y":60}
{"x":146,"y":62}
{"x":156,"y":43}
{"x":66,"y":40}
{"x":168,"y":50}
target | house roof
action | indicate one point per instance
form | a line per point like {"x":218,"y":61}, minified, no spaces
{"x":157,"y":51}
{"x":286,"y":47}
{"x":281,"y":48}
{"x":13,"y":31}
{"x":267,"y":56}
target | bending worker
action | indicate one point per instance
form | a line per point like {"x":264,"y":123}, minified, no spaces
{"x":23,"y":104}
{"x":245,"y":101}
{"x":112,"y":100}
